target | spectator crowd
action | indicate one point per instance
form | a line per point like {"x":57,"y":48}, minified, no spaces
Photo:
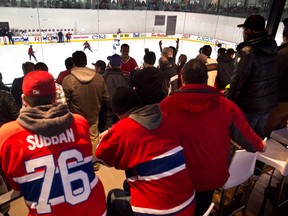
{"x":167,"y":123}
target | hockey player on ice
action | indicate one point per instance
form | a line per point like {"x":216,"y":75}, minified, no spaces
{"x":116,"y":42}
{"x":87,"y":46}
{"x":44,"y":36}
{"x":54,"y":37}
{"x":31,"y":53}
{"x":118,"y":37}
{"x":116,"y":46}
{"x":25,"y":37}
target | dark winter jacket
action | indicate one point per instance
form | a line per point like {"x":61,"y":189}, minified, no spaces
{"x":254,"y":80}
{"x":16,"y":90}
{"x":225,"y":69}
{"x":8,"y":108}
{"x":4,"y":87}
{"x":114,"y":77}
{"x":283,"y":72}
{"x":170,"y":82}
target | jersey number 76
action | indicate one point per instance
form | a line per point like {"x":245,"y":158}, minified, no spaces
{"x":71,"y":196}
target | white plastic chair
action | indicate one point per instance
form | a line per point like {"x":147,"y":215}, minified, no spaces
{"x":276,"y":156}
{"x":207,"y":213}
{"x":241,"y":169}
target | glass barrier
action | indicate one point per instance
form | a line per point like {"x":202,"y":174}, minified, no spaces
{"x":229,"y":8}
{"x":234,"y":8}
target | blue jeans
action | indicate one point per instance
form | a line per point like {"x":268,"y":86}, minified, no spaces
{"x":257,"y":121}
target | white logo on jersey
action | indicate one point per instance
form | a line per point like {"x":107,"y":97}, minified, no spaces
{"x":38,"y":141}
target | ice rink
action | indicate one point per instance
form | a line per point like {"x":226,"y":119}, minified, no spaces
{"x":54,"y":55}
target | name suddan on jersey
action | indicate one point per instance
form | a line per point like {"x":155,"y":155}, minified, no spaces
{"x":39,"y":141}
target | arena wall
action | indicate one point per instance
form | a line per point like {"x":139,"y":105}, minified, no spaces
{"x":108,"y":21}
{"x":84,"y":21}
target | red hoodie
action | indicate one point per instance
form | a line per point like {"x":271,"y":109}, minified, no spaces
{"x":206,"y":122}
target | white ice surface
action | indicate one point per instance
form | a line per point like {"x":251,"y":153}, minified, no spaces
{"x":54,"y":55}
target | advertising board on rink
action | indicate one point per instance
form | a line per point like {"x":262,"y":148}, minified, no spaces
{"x":36,"y":39}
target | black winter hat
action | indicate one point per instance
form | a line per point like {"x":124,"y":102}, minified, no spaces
{"x":124,"y":99}
{"x":254,"y":23}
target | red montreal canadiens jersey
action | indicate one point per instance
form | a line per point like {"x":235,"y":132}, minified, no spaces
{"x":30,"y":50}
{"x":128,"y":65}
{"x":154,"y":164}
{"x":54,"y":174}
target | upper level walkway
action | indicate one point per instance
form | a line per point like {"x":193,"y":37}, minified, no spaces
{"x":231,"y":8}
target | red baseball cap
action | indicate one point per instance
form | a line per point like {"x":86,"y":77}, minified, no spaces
{"x":38,"y":83}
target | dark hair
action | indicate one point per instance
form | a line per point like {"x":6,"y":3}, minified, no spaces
{"x":28,"y":67}
{"x":146,"y":50}
{"x":41,"y":66}
{"x":150,"y":58}
{"x":124,"y":45}
{"x":195,"y":72}
{"x":79,"y":59}
{"x":124,"y":99}
{"x":207,"y":50}
{"x":69,"y":63}
{"x":38,"y":101}
{"x":221,"y":51}
{"x":230,"y":51}
{"x":101,"y":64}
{"x":182,"y":59}
{"x":174,"y":51}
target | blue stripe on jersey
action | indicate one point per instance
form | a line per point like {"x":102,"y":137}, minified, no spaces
{"x":31,"y":190}
{"x":157,"y":166}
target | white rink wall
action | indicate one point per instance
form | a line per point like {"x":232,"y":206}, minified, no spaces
{"x":108,"y":21}
{"x":86,"y":21}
